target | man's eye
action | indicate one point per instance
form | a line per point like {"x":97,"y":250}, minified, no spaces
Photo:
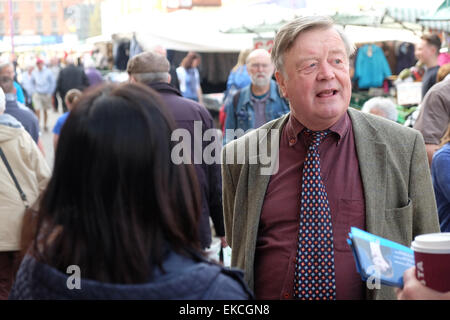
{"x":338,"y":61}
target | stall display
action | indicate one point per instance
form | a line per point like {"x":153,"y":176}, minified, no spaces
{"x":371,"y":67}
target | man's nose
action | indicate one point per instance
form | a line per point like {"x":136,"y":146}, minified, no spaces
{"x":326,"y":72}
{"x":260,"y":67}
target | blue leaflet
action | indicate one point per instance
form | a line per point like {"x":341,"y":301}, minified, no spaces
{"x":379,"y":259}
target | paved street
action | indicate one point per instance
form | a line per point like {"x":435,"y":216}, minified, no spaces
{"x":47,"y":137}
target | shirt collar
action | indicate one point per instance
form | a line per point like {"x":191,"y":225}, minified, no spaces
{"x":294,"y":128}
{"x":10,"y":97}
{"x":262,"y":99}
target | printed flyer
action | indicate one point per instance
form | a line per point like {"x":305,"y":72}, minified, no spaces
{"x":379,"y":258}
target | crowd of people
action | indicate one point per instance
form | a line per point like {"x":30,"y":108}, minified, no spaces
{"x":298,"y":168}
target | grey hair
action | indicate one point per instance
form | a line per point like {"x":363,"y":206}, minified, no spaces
{"x":384,"y":104}
{"x":287,"y":34}
{"x":257,"y":52}
{"x":150,"y":77}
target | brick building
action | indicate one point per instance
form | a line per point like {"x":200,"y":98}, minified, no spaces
{"x":45,"y":18}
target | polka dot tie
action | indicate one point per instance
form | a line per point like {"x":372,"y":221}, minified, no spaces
{"x":314,"y":270}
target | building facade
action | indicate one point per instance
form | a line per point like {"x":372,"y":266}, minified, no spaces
{"x":47,"y":20}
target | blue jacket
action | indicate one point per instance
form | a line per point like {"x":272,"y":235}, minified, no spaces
{"x":19,"y":93}
{"x":239,"y":78}
{"x":243,"y":116}
{"x":440,"y":174}
{"x":371,"y":68}
{"x":184,"y":279}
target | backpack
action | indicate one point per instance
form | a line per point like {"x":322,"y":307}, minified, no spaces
{"x":223,"y":114}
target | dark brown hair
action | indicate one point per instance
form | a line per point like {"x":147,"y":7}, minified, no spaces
{"x":433,"y":40}
{"x":116,"y":202}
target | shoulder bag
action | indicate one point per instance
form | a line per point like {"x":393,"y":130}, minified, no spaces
{"x":23,"y":196}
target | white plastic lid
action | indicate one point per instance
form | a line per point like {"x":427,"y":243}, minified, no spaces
{"x":432,"y":243}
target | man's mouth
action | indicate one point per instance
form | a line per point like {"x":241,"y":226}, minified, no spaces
{"x":327,"y":93}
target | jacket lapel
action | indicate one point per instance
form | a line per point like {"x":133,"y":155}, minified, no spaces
{"x":258,"y":180}
{"x":372,"y":165}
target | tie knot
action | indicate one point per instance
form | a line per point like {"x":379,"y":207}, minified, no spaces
{"x":317,"y":136}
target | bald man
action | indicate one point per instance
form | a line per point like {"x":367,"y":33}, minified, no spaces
{"x":259,"y":102}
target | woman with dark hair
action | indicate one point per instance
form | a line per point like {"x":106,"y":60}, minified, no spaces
{"x":119,"y":212}
{"x":189,"y":77}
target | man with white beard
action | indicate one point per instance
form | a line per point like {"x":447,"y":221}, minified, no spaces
{"x":258,"y":103}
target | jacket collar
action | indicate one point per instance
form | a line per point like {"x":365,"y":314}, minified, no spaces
{"x":9,"y":121}
{"x":294,"y":128}
{"x":371,"y":152}
{"x":164,"y":87}
{"x":273,"y":95}
{"x":10,"y":97}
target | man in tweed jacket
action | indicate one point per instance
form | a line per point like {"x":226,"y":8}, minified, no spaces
{"x":396,"y":199}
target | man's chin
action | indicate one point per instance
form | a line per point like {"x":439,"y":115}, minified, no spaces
{"x":331,"y":113}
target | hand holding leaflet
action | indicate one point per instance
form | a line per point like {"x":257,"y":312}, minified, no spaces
{"x":380,"y":259}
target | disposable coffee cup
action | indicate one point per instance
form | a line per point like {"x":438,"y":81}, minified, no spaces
{"x":432,"y":256}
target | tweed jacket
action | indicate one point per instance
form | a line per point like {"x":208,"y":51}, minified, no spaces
{"x":398,"y":192}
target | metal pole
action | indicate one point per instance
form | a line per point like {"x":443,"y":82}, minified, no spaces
{"x":11,"y":23}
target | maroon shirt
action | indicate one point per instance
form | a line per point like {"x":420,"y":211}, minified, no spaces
{"x":276,"y":244}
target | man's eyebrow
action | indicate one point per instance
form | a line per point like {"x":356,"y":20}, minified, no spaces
{"x":339,"y":51}
{"x":302,"y":60}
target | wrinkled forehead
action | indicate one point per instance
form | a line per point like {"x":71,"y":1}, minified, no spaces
{"x":314,"y":38}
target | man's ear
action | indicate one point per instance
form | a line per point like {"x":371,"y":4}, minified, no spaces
{"x":169,"y":78}
{"x":281,"y":80}
{"x":131,"y":79}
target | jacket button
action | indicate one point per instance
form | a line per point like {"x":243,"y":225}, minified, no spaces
{"x":286,"y":295}
{"x":291,"y":140}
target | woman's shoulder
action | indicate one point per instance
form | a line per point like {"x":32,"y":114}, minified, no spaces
{"x":229,"y":285}
{"x":199,"y":279}
{"x":215,"y":281}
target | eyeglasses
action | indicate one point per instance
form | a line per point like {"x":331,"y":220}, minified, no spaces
{"x":259,"y":65}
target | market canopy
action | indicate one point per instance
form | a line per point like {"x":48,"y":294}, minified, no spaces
{"x":422,"y":17}
{"x":231,"y":30}
{"x":441,"y":14}
{"x":185,"y":30}
{"x":270,"y":18}
{"x":362,"y":34}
